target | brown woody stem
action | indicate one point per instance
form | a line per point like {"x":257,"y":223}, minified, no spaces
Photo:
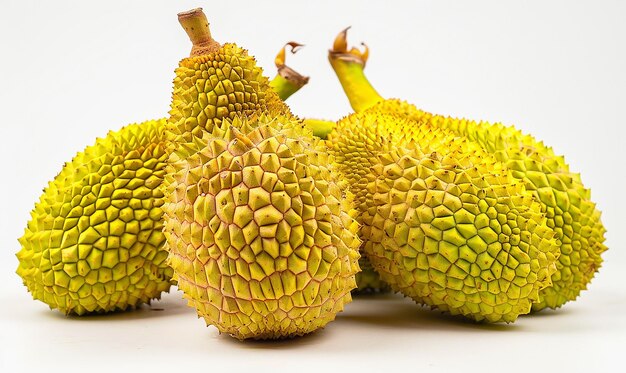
{"x":197,"y":28}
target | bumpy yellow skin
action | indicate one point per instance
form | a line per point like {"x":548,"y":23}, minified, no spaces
{"x":216,"y":86}
{"x":443,"y":221}
{"x":564,"y":199}
{"x":368,"y":281}
{"x":262,"y":239}
{"x":94,"y":243}
{"x":92,"y":291}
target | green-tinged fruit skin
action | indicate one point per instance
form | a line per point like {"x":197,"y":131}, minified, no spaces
{"x":95,"y":243}
{"x":368,"y":281}
{"x":33,"y":268}
{"x":94,"y":275}
{"x":443,"y":221}
{"x":262,"y":238}
{"x":564,"y":199}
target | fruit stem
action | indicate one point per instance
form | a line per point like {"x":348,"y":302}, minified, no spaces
{"x":197,"y":28}
{"x":287,"y":80}
{"x":348,"y":66}
{"x":321,"y":128}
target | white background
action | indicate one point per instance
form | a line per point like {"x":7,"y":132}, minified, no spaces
{"x":71,"y":71}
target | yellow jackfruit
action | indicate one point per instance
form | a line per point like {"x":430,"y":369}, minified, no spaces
{"x":564,"y":199}
{"x":95,"y":241}
{"x":443,"y":221}
{"x":261,"y":235}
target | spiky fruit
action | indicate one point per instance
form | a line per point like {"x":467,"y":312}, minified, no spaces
{"x":94,"y":243}
{"x":443,"y":221}
{"x":216,"y":82}
{"x":260,"y":234}
{"x":564,"y":199}
{"x":368,"y":281}
{"x":355,"y":144}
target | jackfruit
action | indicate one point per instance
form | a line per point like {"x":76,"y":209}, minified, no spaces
{"x":564,"y":199}
{"x":261,"y":236}
{"x":215,"y":82}
{"x":94,"y":242}
{"x":443,"y":221}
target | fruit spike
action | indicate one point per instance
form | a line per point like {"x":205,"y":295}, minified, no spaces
{"x":287,"y":80}
{"x":564,"y":199}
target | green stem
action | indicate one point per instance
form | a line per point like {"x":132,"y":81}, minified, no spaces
{"x":321,"y":128}
{"x":359,"y":90}
{"x":286,"y":85}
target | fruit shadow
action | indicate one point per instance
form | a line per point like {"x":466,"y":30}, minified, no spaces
{"x":171,"y":304}
{"x":310,"y":339}
{"x":547,"y":313}
{"x":393,"y":311}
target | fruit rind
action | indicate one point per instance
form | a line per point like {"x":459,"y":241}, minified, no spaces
{"x":262,"y":238}
{"x":94,"y":243}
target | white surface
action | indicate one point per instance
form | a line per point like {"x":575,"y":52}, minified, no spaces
{"x":73,"y":70}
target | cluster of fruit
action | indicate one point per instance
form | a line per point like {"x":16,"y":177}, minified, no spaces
{"x":269,"y":223}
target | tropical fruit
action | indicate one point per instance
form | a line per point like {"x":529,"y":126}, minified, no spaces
{"x":564,"y":199}
{"x":262,"y":238}
{"x":443,"y":221}
{"x":260,"y":232}
{"x":94,"y":242}
{"x":214,"y":83}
